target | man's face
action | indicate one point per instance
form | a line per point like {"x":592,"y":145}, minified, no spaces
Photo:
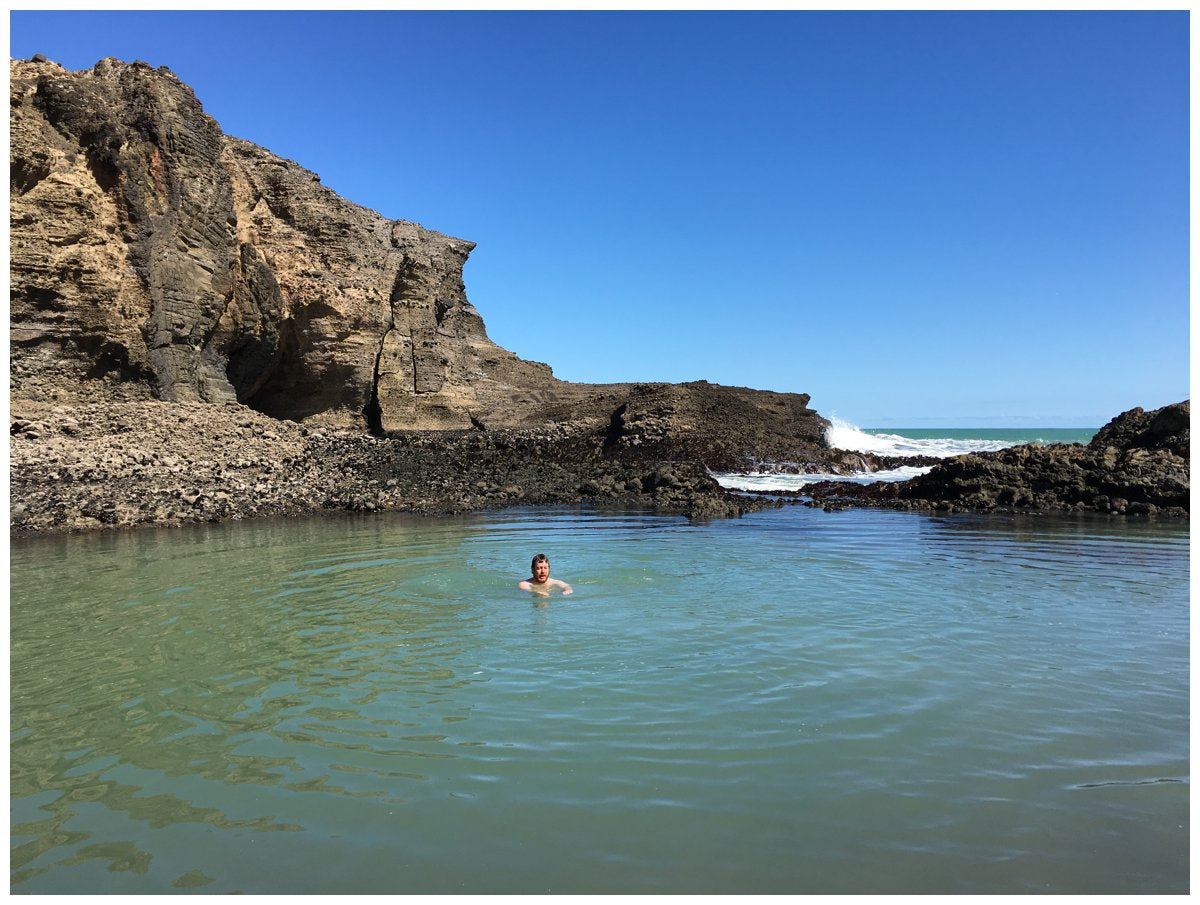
{"x":541,"y":571}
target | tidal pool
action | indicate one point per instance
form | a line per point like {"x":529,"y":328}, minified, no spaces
{"x":790,"y":702}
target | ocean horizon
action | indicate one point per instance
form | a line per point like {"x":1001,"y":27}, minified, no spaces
{"x":1013,"y":435}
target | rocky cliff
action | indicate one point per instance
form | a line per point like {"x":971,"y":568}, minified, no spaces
{"x":156,"y":258}
{"x":200,"y":330}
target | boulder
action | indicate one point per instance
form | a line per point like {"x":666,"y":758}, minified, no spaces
{"x":1167,"y":428}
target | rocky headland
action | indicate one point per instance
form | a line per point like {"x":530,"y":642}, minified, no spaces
{"x":200,"y":330}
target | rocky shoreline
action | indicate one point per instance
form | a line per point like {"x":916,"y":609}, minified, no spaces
{"x":200,"y":331}
{"x":87,"y":466}
{"x":1138,"y":465}
{"x":83,"y":467}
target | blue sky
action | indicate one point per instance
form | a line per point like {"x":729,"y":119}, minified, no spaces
{"x":916,"y":218}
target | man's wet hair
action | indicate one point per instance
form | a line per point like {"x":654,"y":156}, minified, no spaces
{"x":541,"y":557}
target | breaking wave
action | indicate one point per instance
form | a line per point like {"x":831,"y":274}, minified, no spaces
{"x":843,"y":435}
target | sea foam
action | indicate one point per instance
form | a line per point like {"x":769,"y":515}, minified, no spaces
{"x":773,"y":481}
{"x":843,"y":435}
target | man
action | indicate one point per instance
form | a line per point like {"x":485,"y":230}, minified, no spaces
{"x":540,"y":581}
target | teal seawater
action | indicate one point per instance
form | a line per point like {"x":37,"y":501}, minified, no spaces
{"x":790,"y":702}
{"x":1014,"y":436}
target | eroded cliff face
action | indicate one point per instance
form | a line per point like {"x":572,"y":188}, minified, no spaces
{"x":351,"y":312}
{"x":155,"y":257}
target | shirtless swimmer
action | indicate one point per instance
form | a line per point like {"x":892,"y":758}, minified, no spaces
{"x":540,"y":581}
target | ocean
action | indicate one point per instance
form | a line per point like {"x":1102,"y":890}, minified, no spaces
{"x":789,"y":702}
{"x":941,"y":443}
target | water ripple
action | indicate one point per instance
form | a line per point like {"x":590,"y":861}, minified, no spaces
{"x":957,"y":704}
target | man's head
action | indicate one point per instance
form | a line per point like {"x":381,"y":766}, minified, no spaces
{"x":540,"y":567}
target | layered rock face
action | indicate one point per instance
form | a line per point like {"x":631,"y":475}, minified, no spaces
{"x":155,"y":257}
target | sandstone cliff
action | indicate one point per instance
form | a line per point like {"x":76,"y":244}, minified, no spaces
{"x":155,"y":258}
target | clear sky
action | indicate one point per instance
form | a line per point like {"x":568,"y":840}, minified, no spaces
{"x":916,"y":218}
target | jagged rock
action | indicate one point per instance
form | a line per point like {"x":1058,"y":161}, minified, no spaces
{"x":156,"y":463}
{"x":152,"y":253}
{"x":1167,"y":428}
{"x":1138,"y":464}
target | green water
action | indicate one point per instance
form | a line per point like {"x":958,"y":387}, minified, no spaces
{"x":791,"y":702}
{"x":1013,"y":436}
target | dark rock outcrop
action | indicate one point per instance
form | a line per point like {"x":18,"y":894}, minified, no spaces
{"x":1167,"y":428}
{"x":86,"y":466}
{"x":1137,"y":464}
